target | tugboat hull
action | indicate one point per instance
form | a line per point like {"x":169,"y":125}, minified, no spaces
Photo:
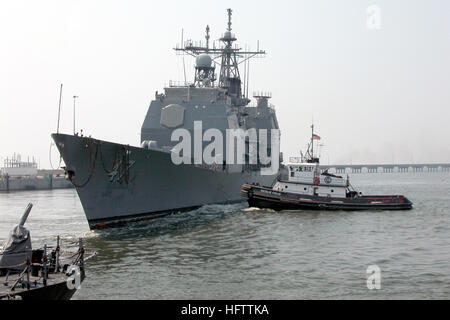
{"x":265,"y":197}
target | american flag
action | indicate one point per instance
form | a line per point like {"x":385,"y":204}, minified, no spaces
{"x":315,"y":137}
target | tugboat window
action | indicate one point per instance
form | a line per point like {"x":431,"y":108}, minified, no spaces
{"x":332,"y":190}
{"x":286,"y":187}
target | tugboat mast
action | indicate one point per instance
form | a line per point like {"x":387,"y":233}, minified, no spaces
{"x":309,"y":156}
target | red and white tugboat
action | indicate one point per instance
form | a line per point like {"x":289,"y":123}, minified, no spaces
{"x":306,"y":187}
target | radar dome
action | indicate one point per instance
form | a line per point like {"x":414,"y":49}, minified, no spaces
{"x":203,"y":61}
{"x":228,"y":36}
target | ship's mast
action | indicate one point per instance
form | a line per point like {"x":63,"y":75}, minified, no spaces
{"x":229,"y":56}
{"x":229,"y":71}
{"x":207,"y":38}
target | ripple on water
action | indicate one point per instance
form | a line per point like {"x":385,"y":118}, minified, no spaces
{"x":236,"y":252}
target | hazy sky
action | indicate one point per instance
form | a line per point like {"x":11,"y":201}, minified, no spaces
{"x":376,"y":96}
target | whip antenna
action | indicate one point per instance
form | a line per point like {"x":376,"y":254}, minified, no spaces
{"x":59,"y":108}
{"x":184,"y":66}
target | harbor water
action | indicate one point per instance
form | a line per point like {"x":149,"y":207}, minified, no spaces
{"x":236,"y":252}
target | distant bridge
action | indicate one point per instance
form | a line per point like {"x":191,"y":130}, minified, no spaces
{"x":388,"y":168}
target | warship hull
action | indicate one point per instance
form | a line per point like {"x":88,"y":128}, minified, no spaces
{"x":118,"y":183}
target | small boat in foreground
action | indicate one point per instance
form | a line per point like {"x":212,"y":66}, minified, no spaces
{"x":307,"y":187}
{"x":32,"y":274}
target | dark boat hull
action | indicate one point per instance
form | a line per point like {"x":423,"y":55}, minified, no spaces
{"x":58,"y":291}
{"x":265,"y":197}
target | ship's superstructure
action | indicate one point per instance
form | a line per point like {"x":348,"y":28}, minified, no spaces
{"x":218,"y":102}
{"x":306,"y":178}
{"x":118,"y":183}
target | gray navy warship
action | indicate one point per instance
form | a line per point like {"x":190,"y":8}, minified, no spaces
{"x":118,"y":183}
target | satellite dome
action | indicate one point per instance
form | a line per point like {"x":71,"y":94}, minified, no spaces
{"x":203,"y":61}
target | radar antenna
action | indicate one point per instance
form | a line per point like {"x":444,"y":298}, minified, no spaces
{"x":229,"y":56}
{"x":207,"y":38}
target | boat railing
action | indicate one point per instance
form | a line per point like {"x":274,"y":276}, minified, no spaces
{"x":48,"y":265}
{"x":179,"y":84}
{"x":270,"y":106}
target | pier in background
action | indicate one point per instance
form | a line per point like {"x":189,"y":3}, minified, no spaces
{"x":388,"y":168}
{"x":43,"y":180}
